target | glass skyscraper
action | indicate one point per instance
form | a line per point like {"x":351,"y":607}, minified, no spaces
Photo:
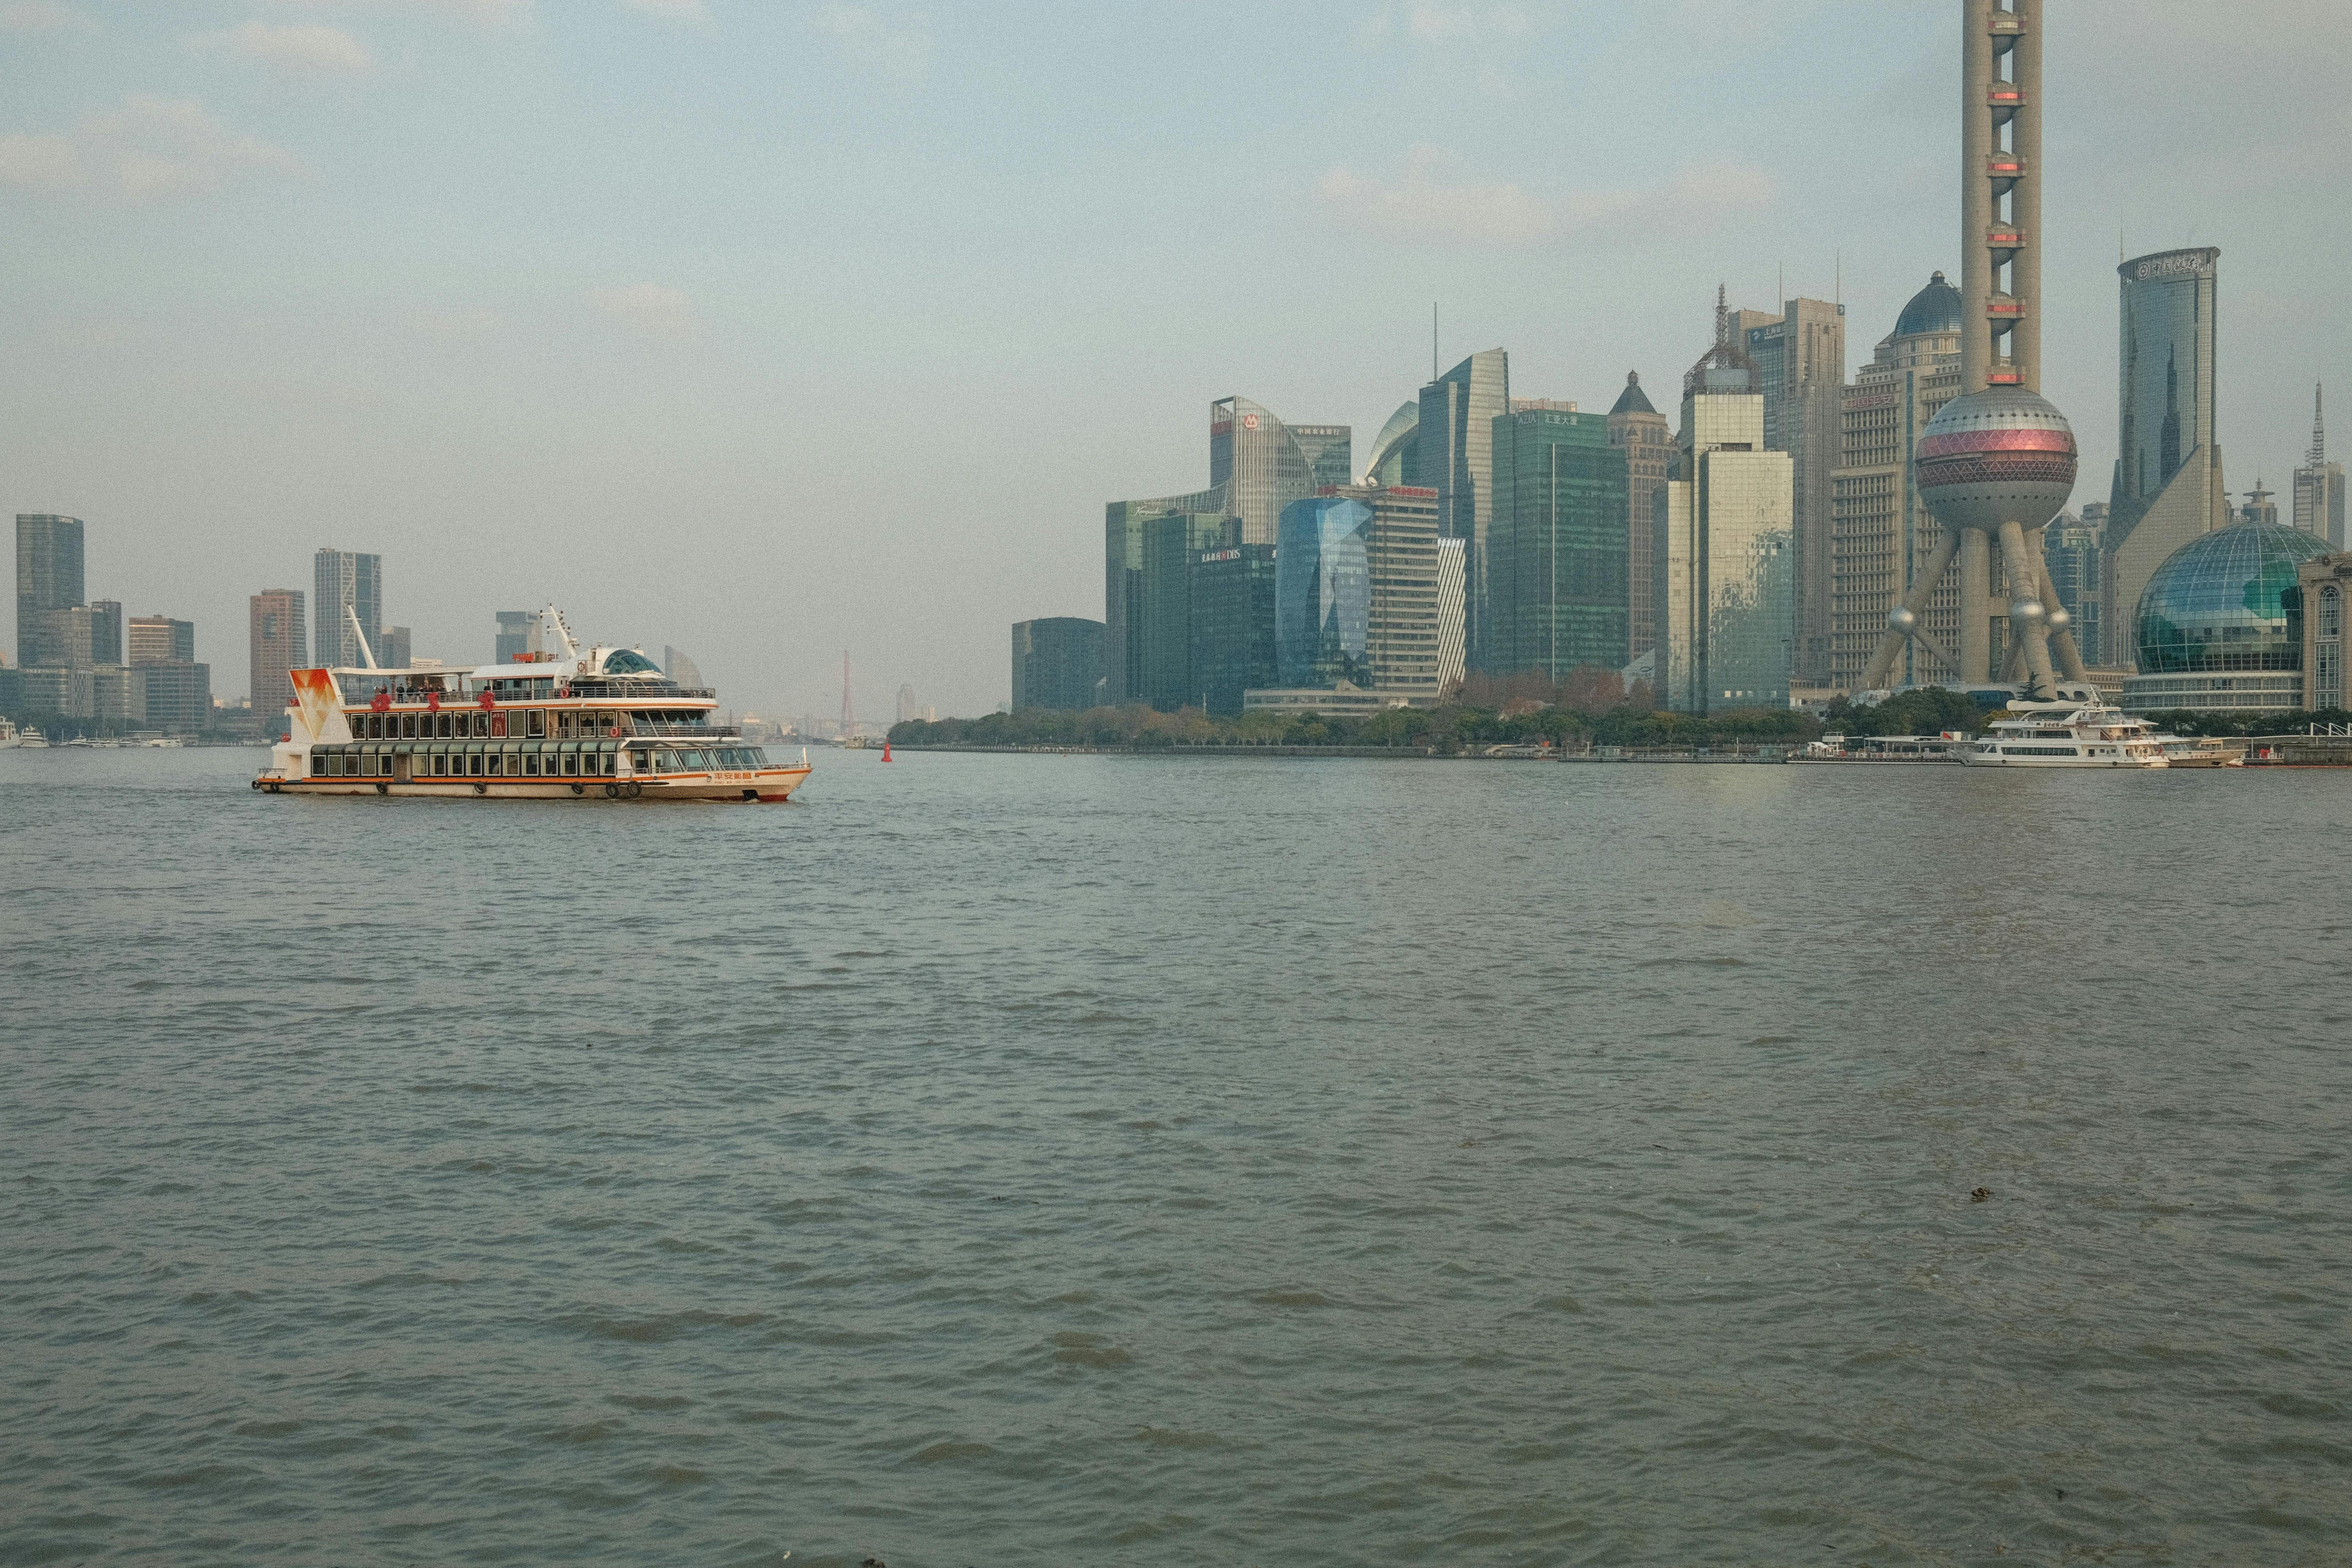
{"x":1396,"y":451}
{"x":2167,"y":486}
{"x":1170,"y":544}
{"x":1456,"y":444}
{"x":345,"y":580}
{"x":1233,"y":624}
{"x":1558,"y":578}
{"x":516,"y":629}
{"x":1323,"y":592}
{"x":1123,"y":567}
{"x":48,"y":577}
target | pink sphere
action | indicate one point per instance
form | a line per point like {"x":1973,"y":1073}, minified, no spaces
{"x":2003,"y":455}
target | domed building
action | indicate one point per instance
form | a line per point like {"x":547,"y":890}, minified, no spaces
{"x":2219,"y":626}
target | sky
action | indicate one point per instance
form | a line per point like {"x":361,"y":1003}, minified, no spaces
{"x":775,"y":330}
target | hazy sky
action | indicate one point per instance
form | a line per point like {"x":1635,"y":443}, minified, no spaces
{"x":771,"y":328}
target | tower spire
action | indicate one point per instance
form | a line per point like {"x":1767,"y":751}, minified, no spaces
{"x":2318,"y":429}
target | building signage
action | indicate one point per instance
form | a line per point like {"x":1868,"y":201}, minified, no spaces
{"x":2175,"y":264}
{"x":1208,"y":556}
{"x":1249,"y":421}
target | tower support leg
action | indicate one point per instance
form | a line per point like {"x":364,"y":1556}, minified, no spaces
{"x":1976,"y":605}
{"x":2024,"y":581}
{"x":1882,"y":662}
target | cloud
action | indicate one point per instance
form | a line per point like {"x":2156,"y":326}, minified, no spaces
{"x":488,"y":14}
{"x":307,"y":49}
{"x":1432,"y":202}
{"x":649,"y":309}
{"x":150,"y":150}
{"x":903,"y":53}
{"x":44,"y":17}
{"x":687,"y":12}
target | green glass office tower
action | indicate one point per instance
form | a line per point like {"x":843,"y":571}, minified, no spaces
{"x":1165,"y":641}
{"x":1560,"y":545}
{"x":1123,"y":523}
{"x":48,"y":577}
{"x":1233,"y":624}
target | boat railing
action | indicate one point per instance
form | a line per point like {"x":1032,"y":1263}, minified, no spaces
{"x":664,"y":730}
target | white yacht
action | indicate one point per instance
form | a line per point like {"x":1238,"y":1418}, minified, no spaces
{"x":2074,"y":731}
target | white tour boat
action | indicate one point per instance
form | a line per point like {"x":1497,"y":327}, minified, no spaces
{"x":2074,"y":731}
{"x":601,"y":722}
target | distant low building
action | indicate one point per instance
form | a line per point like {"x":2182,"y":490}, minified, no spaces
{"x":1344,"y":699}
{"x":1056,"y":662}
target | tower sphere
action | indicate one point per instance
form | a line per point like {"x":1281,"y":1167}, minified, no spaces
{"x":1901,"y":620}
{"x":2003,"y":455}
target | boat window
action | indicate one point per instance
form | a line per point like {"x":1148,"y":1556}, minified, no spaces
{"x":537,"y":723}
{"x":498,"y":725}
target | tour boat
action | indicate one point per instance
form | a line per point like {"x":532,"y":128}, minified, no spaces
{"x":2074,"y":732}
{"x":601,"y":722}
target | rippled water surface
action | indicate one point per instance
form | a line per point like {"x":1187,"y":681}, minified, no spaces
{"x":999,"y":1160}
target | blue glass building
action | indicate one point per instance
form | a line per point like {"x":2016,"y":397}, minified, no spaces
{"x":2219,"y":625}
{"x":1323,"y":592}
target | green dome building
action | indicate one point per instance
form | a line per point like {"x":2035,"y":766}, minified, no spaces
{"x":2219,"y":625}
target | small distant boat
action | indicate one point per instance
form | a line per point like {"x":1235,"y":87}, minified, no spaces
{"x":167,"y":740}
{"x":2204,"y":751}
{"x":9,"y":739}
{"x":28,"y":738}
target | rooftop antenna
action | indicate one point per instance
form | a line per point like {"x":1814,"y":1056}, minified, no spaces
{"x":2318,"y":430}
{"x":1780,"y":284}
{"x":1433,"y":340}
{"x":848,"y":720}
{"x":1837,"y":292}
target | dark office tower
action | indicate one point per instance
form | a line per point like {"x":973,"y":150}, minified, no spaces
{"x":352,"y":582}
{"x":1233,"y":624}
{"x":276,"y":647}
{"x":1056,"y":662}
{"x":1396,"y":452}
{"x":2070,"y":547}
{"x":48,"y":576}
{"x":1456,"y":446}
{"x":2168,"y":485}
{"x":1123,"y":523}
{"x":1561,"y":555}
{"x":1327,"y":448}
{"x":106,"y":631}
{"x":160,"y":639}
{"x":1802,"y":358}
{"x":515,"y":628}
{"x":1171,"y":544}
{"x":1643,"y":434}
{"x":1261,"y":464}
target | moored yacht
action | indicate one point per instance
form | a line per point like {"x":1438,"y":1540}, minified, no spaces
{"x":595,"y":722}
{"x":2077,"y":730}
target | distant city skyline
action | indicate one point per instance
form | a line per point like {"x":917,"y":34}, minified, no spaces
{"x":515,"y":296}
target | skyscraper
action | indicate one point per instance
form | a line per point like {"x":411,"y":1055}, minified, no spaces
{"x":275,"y":640}
{"x":1723,"y":571}
{"x":1263,"y":466}
{"x":2319,"y":485}
{"x":1882,"y":535}
{"x":48,"y":576}
{"x":346,"y":581}
{"x":679,"y":668}
{"x":1327,"y":451}
{"x":1648,"y":442}
{"x":1323,"y":592}
{"x":179,"y":691}
{"x":159,"y":639}
{"x":1801,"y":356}
{"x":517,"y":629}
{"x":1560,"y":545}
{"x":1456,"y":446}
{"x":106,"y":631}
{"x":1056,"y":662}
{"x":1123,"y":564}
{"x":1233,"y":624}
{"x":2071,"y":546}
{"x":2167,"y":483}
{"x":1171,"y":543}
{"x":1405,"y":650}
{"x":399,"y":647}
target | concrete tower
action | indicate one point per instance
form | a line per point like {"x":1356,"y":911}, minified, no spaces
{"x":1998,"y":462}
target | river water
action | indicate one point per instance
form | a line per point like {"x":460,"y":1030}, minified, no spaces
{"x":1111,"y":1159}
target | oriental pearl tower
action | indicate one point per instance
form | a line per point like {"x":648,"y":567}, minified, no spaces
{"x":1998,"y":462}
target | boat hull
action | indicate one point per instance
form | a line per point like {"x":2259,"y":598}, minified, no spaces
{"x":1979,"y":760}
{"x":766,"y":786}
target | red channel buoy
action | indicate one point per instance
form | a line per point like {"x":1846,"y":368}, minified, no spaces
{"x":886,"y":751}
